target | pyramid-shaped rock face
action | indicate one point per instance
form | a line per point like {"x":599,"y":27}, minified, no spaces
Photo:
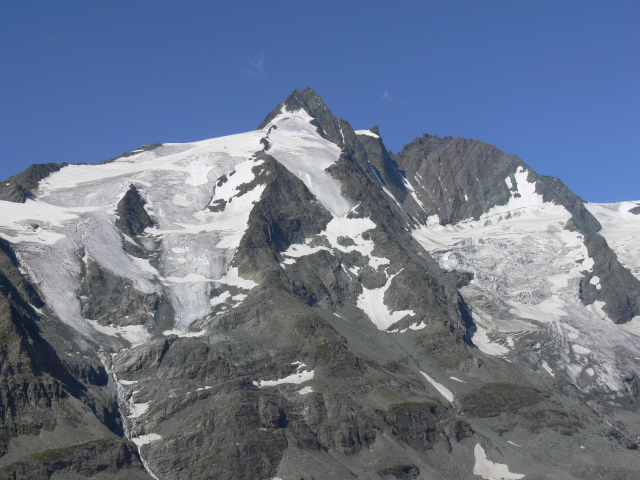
{"x":297,"y":301}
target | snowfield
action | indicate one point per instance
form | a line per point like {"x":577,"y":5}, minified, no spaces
{"x":489,"y":470}
{"x":74,"y":211}
{"x":621,"y":229}
{"x":527,"y":270}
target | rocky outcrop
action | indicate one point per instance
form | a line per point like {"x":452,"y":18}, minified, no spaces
{"x":288,"y":376}
{"x":113,"y":300}
{"x":40,"y":389}
{"x":132,"y":218}
{"x":460,"y":179}
{"x":21,"y":186}
{"x":97,"y":459}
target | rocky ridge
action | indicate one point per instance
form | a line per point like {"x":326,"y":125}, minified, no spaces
{"x":299,"y":302}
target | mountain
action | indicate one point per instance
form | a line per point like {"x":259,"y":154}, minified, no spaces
{"x":299,"y":302}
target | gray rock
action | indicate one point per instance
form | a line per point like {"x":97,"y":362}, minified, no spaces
{"x":21,"y":186}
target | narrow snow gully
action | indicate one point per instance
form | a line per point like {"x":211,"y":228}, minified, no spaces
{"x":123,"y":405}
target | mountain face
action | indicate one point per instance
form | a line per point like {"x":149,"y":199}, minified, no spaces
{"x":298,"y":302}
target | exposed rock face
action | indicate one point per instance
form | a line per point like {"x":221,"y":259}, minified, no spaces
{"x":21,"y":186}
{"x":258,"y":327}
{"x":113,"y":300}
{"x":132,"y":217}
{"x":458,"y":179}
{"x":39,"y":392}
{"x":99,"y":459}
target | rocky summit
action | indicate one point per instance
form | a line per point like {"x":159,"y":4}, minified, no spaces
{"x":297,"y":302}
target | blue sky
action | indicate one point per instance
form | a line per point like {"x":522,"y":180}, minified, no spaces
{"x":555,"y":82}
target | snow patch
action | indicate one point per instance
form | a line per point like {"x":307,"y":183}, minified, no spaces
{"x":183,"y":333}
{"x":546,"y":366}
{"x":444,"y":391}
{"x":621,"y":229}
{"x":371,"y":302}
{"x":297,"y":145}
{"x":368,"y":133}
{"x":145,"y":439}
{"x":137,"y":409}
{"x":580,"y":350}
{"x":305,"y":390}
{"x":296,"y":378}
{"x":489,"y":470}
{"x":353,"y":228}
{"x":134,"y":334}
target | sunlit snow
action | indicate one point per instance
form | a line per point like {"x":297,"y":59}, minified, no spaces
{"x":296,"y":378}
{"x":299,"y":147}
{"x":444,"y":391}
{"x":489,"y":470}
{"x":371,"y":302}
{"x":621,"y":229}
{"x":368,"y":133}
{"x":527,"y":270}
{"x":145,"y":439}
{"x":75,"y":211}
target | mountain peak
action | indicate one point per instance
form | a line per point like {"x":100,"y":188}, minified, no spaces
{"x":309,"y":101}
{"x":296,"y":298}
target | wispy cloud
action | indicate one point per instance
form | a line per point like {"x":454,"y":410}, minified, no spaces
{"x":256,"y":67}
{"x":387,"y":97}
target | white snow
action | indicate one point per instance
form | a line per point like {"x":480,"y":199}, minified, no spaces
{"x":371,"y":302}
{"x":299,"y":147}
{"x":183,"y":333}
{"x":418,"y":326}
{"x":514,"y":444}
{"x":144,"y":439}
{"x":368,"y":133}
{"x":135,"y":334}
{"x":412,"y":192}
{"x":595,"y":280}
{"x":352,"y":228}
{"x":457,"y":379}
{"x":621,"y":229}
{"x":580,"y":350}
{"x":137,"y":409}
{"x":489,"y":470}
{"x":632,"y":328}
{"x":233,"y":278}
{"x":546,"y":366}
{"x":527,"y":271}
{"x":189,"y":278}
{"x":413,"y":326}
{"x":298,"y":250}
{"x":296,"y":378}
{"x":75,"y":208}
{"x":444,"y":391}
{"x":305,"y":390}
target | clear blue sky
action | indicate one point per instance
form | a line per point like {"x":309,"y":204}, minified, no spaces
{"x":555,"y":82}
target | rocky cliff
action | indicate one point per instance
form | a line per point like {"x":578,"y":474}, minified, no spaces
{"x":299,"y":302}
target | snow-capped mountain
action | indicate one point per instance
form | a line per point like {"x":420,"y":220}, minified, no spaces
{"x":298,"y":302}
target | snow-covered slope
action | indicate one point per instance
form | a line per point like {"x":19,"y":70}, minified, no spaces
{"x":525,"y":292}
{"x":74,"y":211}
{"x":297,"y":300}
{"x":621,"y":228}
